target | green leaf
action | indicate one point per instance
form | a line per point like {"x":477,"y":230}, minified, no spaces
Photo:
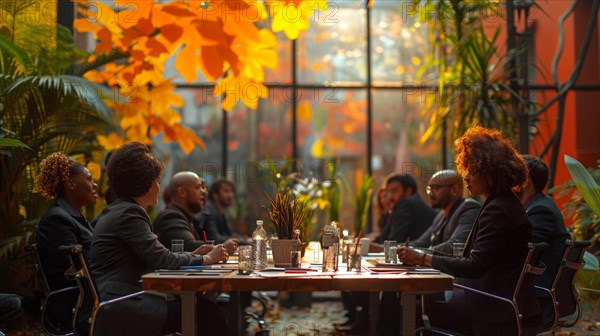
{"x":585,"y":184}
{"x":4,"y":142}
{"x":590,"y":262}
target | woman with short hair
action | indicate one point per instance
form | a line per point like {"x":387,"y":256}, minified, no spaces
{"x":124,"y":247}
{"x":497,"y":245}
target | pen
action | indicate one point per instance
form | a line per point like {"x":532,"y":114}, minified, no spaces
{"x":199,"y":267}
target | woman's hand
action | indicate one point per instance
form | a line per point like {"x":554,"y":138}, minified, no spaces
{"x":217,"y":254}
{"x":409,"y":256}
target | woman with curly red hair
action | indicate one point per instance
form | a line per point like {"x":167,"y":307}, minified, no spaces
{"x":497,"y":245}
{"x":71,"y":186}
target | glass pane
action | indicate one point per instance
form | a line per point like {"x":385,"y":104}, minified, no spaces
{"x":282,"y":74}
{"x":399,"y":42}
{"x":202,"y":113}
{"x":334,"y":47}
{"x":332,"y":127}
{"x":253,"y":136}
{"x":397,"y":127}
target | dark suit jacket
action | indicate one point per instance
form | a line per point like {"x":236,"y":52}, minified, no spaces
{"x":61,"y":225}
{"x":216,"y":225}
{"x":443,"y":233}
{"x":123,"y":249}
{"x":493,"y":258}
{"x":174,"y":223}
{"x":548,"y":226}
{"x":410,"y":218}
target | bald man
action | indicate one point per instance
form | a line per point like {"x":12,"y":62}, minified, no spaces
{"x":187,"y":193}
{"x":454,"y":222}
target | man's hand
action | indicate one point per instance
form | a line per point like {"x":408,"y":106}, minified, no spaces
{"x":409,"y":256}
{"x":204,"y":249}
{"x":231,"y":245}
{"x":217,"y":254}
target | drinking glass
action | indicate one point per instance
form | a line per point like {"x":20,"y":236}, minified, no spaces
{"x":386,"y":249}
{"x":245,"y":263}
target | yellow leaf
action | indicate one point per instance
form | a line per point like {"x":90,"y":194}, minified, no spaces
{"x":304,"y":111}
{"x":187,"y":62}
{"x":110,"y":142}
{"x":317,"y":149}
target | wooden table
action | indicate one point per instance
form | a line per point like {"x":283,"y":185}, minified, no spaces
{"x":409,"y":284}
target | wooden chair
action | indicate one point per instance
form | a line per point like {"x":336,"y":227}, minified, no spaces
{"x":88,"y":317}
{"x":563,"y":292}
{"x":530,"y":265}
{"x":54,"y":299}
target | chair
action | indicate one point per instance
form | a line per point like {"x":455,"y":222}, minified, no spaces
{"x":563,"y":293}
{"x":88,"y":312}
{"x":62,"y":297}
{"x":531,"y":265}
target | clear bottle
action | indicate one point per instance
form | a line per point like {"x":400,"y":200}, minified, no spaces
{"x":259,"y":246}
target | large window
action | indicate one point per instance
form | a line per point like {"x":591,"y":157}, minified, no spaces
{"x":348,"y":92}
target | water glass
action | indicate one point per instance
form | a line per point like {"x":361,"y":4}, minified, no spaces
{"x":457,"y":249}
{"x":354,"y":262}
{"x":386,"y":250}
{"x":245,"y":263}
{"x":176,"y":245}
{"x":394,"y":254}
{"x":366,"y":244}
{"x":353,"y":249}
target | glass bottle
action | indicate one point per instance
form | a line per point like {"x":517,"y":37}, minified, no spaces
{"x":259,"y":246}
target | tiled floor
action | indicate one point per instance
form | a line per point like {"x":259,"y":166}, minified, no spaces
{"x":327,"y":309}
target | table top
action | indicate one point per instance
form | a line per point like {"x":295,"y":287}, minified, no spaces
{"x":208,"y":281}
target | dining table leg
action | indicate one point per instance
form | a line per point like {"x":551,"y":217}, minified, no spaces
{"x":408,"y":313}
{"x":188,"y":313}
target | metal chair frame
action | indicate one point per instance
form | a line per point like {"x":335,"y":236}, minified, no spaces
{"x":50,"y":295}
{"x":533,"y":258}
{"x":574,"y":262}
{"x":81,"y":274}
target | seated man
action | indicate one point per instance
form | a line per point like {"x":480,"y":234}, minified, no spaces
{"x":187,"y":193}
{"x":548,"y":226}
{"x":454,"y":222}
{"x":411,"y":217}
{"x":213,"y":218}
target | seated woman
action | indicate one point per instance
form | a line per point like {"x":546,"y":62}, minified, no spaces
{"x":71,"y":186}
{"x":497,"y":245}
{"x":124,"y":247}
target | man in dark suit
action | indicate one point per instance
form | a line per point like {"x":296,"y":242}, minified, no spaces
{"x":454,"y":222}
{"x":187,"y":193}
{"x":213,"y":218}
{"x":548,"y":226}
{"x":411,"y":217}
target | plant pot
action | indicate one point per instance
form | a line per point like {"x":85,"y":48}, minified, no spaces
{"x":282,"y":251}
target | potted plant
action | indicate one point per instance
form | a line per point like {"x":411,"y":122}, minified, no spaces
{"x":287,"y":215}
{"x":584,"y":208}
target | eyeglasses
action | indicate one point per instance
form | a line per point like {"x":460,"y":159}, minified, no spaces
{"x":436,"y":187}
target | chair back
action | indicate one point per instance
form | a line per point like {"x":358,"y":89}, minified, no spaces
{"x":566,"y":295}
{"x":57,"y":304}
{"x":531,"y":265}
{"x":88,"y":299}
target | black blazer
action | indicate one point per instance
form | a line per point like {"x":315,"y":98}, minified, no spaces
{"x":174,"y":223}
{"x":61,"y":225}
{"x":548,"y":226}
{"x":216,"y":225}
{"x":492,"y":261}
{"x":123,"y":249}
{"x":456,"y":229}
{"x":410,"y":218}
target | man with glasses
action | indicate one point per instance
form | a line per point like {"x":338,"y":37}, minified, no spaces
{"x":454,"y":222}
